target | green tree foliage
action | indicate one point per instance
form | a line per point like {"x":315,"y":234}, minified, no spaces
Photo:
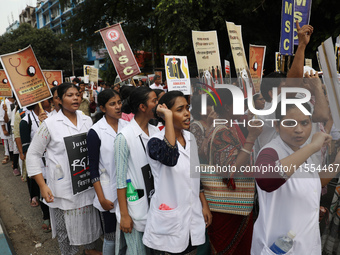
{"x":52,"y":51}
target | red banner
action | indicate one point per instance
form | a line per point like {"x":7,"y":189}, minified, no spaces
{"x":120,"y":51}
{"x":53,"y":77}
{"x":25,"y":77}
{"x":5,"y":87}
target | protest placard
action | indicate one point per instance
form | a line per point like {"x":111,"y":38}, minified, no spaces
{"x":93,"y":75}
{"x":256,"y":62}
{"x":120,"y":51}
{"x":239,"y":56}
{"x":25,"y":77}
{"x":53,"y":77}
{"x":5,"y":87}
{"x":330,"y":77}
{"x":177,"y":74}
{"x":227,"y":71}
{"x":86,"y":69}
{"x":76,"y":147}
{"x":207,"y":56}
{"x":151,"y":78}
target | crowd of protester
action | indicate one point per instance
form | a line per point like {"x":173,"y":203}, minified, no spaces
{"x":134,"y":132}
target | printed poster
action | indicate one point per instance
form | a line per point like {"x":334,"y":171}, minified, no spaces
{"x":120,"y":51}
{"x":227,"y":71}
{"x":76,"y":147}
{"x":256,"y":62}
{"x":26,"y":77}
{"x":93,"y":75}
{"x":5,"y":87}
{"x":53,"y":77}
{"x":239,"y":56}
{"x":207,"y":57}
{"x":151,"y":79}
{"x":330,"y":78}
{"x":86,"y":69}
{"x":177,"y":74}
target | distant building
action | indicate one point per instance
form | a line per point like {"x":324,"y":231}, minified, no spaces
{"x":49,"y":14}
{"x":28,"y":16}
{"x":12,"y":26}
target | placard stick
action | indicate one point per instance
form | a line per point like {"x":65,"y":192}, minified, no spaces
{"x":133,"y":82}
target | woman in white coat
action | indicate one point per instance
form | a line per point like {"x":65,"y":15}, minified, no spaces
{"x":179,"y":212}
{"x":130,"y":158}
{"x":74,"y":219}
{"x":100,"y":140}
{"x":289,"y":196}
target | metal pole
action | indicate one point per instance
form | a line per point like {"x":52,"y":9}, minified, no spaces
{"x":72,"y":60}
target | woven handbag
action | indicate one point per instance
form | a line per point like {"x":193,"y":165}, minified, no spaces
{"x":222,"y":199}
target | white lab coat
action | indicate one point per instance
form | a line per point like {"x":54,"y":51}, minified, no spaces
{"x":137,"y":209}
{"x":293,"y":206}
{"x":179,"y":188}
{"x":50,"y":136}
{"x":107,"y":137}
{"x":2,"y":117}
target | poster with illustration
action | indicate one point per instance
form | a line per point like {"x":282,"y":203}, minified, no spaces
{"x":25,"y":77}
{"x":5,"y":87}
{"x":256,"y":62}
{"x":177,"y":74}
{"x":207,"y":57}
{"x":53,"y":77}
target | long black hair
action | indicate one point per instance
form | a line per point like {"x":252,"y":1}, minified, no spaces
{"x":137,"y":97}
{"x":103,"y":98}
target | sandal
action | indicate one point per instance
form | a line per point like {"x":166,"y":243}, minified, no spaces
{"x":5,"y":160}
{"x":34,"y":202}
{"x":46,"y":226}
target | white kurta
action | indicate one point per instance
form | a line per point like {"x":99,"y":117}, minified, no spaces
{"x":293,"y":206}
{"x":179,"y":189}
{"x":107,"y":137}
{"x":50,"y":136}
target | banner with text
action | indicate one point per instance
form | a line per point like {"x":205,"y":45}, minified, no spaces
{"x":5,"y":87}
{"x":93,"y":75}
{"x":207,"y":57}
{"x":239,"y":56}
{"x":53,"y":77}
{"x":120,"y":51}
{"x":26,"y":77}
{"x":302,"y":14}
{"x":287,"y":28}
{"x":256,"y":62}
{"x":177,"y":73}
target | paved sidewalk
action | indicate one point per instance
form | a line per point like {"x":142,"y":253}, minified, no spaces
{"x":5,"y":244}
{"x":20,"y":222}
